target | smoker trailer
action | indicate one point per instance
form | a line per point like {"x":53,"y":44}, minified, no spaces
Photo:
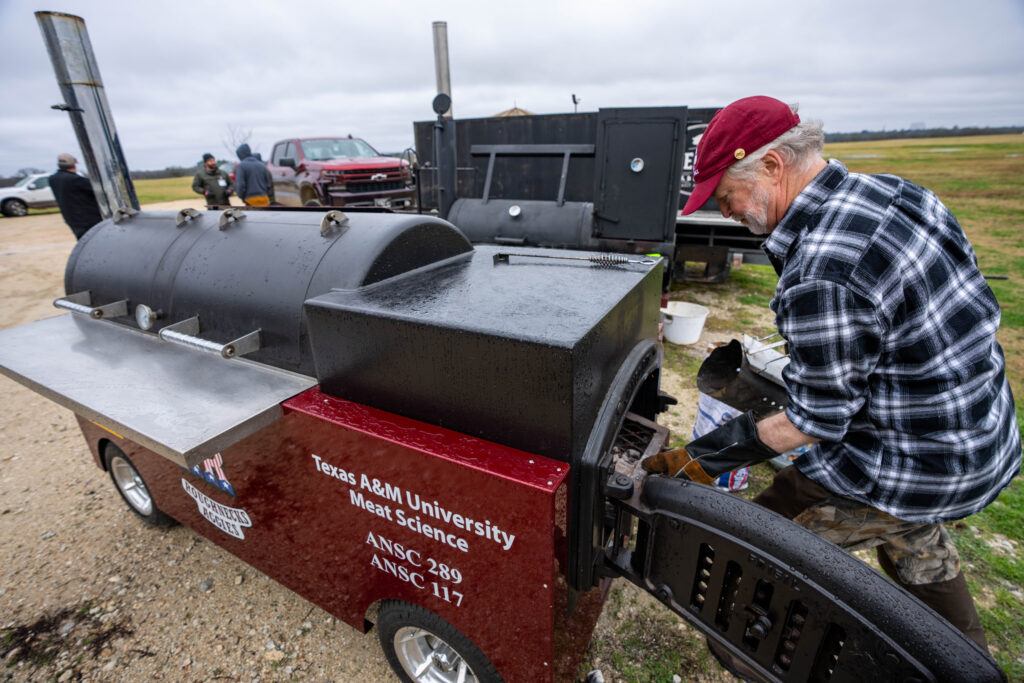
{"x":439,"y":438}
{"x":611,"y":180}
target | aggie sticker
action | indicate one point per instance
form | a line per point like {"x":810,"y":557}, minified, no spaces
{"x":227,"y":519}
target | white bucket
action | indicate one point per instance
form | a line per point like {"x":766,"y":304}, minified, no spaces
{"x":684,"y":321}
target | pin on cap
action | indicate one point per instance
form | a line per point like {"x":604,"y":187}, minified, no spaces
{"x":745,"y":124}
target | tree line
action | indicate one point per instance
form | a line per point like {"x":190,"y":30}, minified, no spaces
{"x":954,"y":131}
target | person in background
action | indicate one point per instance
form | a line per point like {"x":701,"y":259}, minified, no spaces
{"x":252,"y":179}
{"x":74,"y":196}
{"x":213,"y":183}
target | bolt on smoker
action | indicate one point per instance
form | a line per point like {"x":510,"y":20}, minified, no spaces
{"x":395,"y":424}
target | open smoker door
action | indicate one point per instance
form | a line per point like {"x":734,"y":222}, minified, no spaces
{"x":786,"y":603}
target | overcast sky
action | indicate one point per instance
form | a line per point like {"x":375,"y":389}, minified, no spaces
{"x":178,"y":73}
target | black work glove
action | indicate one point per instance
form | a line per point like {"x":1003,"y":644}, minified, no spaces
{"x":731,"y":446}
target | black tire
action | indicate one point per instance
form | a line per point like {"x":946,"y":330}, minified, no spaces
{"x":395,"y":620}
{"x":130,"y":484}
{"x":13,"y":208}
{"x":308,"y":196}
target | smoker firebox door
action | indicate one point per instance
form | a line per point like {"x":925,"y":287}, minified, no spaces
{"x":782,"y":601}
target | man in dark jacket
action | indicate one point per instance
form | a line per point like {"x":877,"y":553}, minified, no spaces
{"x":74,"y":196}
{"x":212,"y":183}
{"x":253,"y":181}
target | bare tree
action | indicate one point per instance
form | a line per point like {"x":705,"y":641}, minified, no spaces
{"x":234,"y":136}
{"x":27,"y":171}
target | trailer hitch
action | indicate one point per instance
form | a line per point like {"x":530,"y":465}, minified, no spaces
{"x":782,"y":602}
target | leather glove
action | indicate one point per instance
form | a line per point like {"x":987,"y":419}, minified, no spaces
{"x":731,"y":446}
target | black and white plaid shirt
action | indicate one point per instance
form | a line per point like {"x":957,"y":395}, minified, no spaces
{"x":894,"y":363}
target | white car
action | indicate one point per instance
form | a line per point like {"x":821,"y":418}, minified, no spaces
{"x":31,"y":192}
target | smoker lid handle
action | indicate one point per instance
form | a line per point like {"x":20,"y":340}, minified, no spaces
{"x":186,"y":333}
{"x":81,"y":302}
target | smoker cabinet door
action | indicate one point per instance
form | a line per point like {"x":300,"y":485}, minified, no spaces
{"x":636,"y":187}
{"x":783,"y":601}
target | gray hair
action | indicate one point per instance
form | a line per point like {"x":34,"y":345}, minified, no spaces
{"x":799,"y":147}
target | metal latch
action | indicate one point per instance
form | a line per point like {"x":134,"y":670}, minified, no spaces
{"x":123,"y":212}
{"x":81,"y":302}
{"x":185,"y":216}
{"x":229,"y":216}
{"x":186,"y":333}
{"x":333,"y":220}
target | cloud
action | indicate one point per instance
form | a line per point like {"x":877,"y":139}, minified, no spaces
{"x":177,"y":75}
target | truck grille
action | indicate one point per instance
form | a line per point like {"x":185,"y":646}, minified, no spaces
{"x":375,"y":186}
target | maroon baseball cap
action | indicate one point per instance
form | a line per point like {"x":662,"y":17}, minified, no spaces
{"x":744,"y":126}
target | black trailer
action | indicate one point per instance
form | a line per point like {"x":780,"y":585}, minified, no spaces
{"x":611,"y":180}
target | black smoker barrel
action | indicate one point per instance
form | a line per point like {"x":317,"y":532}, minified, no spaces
{"x":256,"y":273}
{"x":524,"y":222}
{"x":395,"y":311}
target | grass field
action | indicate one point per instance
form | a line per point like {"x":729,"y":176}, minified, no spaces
{"x":982,"y":180}
{"x":152,"y":191}
{"x":164,"y":190}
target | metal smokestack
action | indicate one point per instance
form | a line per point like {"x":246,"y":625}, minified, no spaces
{"x":85,"y":100}
{"x":441,"y":69}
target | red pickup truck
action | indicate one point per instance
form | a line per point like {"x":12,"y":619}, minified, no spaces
{"x":334,"y":171}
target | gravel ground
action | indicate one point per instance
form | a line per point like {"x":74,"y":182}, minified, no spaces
{"x":90,"y":593}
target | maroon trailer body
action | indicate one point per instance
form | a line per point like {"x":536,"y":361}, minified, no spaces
{"x":328,"y":502}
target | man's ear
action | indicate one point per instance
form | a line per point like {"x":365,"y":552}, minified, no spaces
{"x":773,"y":166}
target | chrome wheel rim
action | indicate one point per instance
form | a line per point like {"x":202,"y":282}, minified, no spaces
{"x":131,"y":486}
{"x":429,"y":659}
{"x":18,"y":209}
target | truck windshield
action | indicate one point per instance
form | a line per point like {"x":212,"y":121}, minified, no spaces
{"x":25,"y":181}
{"x":323,"y":149}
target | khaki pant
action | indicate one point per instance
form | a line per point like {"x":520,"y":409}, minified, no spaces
{"x":920,"y":557}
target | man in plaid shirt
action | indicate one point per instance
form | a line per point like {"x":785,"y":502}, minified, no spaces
{"x":895,"y":373}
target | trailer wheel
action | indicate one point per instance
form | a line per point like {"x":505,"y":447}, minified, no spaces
{"x":132,"y":487}
{"x":421,"y":647}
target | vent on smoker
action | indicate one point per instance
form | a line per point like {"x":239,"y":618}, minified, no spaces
{"x":828,"y":653}
{"x":791,"y":635}
{"x":705,"y":561}
{"x":727,"y":598}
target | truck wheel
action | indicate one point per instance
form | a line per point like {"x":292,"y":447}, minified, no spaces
{"x":421,"y":647}
{"x":14,"y":207}
{"x":308,"y":197}
{"x":133,"y":490}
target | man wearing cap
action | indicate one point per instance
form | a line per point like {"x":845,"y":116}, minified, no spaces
{"x":212,"y":183}
{"x":895,"y":374}
{"x":74,"y":195}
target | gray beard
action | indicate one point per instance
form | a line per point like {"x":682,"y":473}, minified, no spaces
{"x":756,"y":219}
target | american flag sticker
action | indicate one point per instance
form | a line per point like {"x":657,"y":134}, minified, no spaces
{"x":213,"y":472}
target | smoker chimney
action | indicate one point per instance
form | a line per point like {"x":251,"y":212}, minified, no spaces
{"x":85,"y":100}
{"x":442,"y":72}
